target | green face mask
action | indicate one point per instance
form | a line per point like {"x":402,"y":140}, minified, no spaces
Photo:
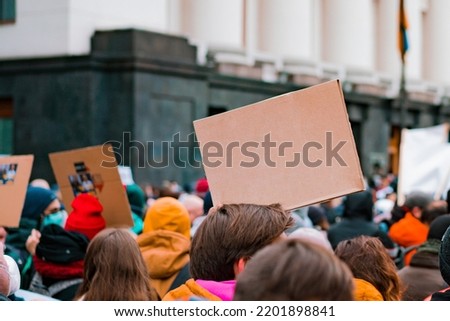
{"x":58,"y":218}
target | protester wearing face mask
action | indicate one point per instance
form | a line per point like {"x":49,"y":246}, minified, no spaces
{"x":21,"y":241}
{"x":59,"y":254}
{"x":54,"y":214}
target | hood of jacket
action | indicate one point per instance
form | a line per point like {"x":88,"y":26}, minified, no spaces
{"x":165,"y":252}
{"x":167,"y":213}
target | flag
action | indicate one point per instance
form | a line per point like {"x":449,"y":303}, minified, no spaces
{"x":403,"y":44}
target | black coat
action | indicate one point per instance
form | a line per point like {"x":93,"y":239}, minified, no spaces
{"x":349,"y":228}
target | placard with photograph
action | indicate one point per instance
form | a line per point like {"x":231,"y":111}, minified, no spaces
{"x":93,"y":170}
{"x":15,"y":174}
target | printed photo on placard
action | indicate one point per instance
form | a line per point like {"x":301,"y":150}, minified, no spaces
{"x":84,"y":181}
{"x":7,"y":173}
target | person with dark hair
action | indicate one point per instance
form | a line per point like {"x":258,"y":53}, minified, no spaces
{"x":444,"y":267}
{"x":58,"y":262}
{"x":40,"y":205}
{"x":423,"y":277}
{"x":332,"y":209}
{"x":434,"y":210}
{"x":226,"y":240}
{"x":318,"y":218}
{"x":410,"y":230}
{"x":374,"y":271}
{"x":136,"y":198}
{"x":375,"y":178}
{"x":294,"y":270}
{"x":357,"y":220}
{"x":114,"y":269}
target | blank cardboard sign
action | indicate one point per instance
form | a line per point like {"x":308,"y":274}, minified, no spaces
{"x":15,"y":174}
{"x":295,"y":149}
{"x":93,"y":170}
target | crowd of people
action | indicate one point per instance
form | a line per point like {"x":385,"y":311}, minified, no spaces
{"x":362,"y":246}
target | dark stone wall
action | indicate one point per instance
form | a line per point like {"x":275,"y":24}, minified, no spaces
{"x":165,"y":107}
{"x":51,"y":113}
{"x":143,"y":44}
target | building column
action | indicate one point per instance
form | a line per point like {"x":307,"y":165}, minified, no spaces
{"x":215,"y":22}
{"x":348,"y":33}
{"x":436,"y":62}
{"x":287,"y":27}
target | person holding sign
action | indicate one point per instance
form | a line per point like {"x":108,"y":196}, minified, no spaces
{"x":59,"y":256}
{"x":40,"y":205}
{"x":59,"y":262}
{"x":223,"y":244}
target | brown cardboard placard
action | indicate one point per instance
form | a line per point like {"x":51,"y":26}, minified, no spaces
{"x":15,"y":174}
{"x":93,"y":170}
{"x":295,"y":149}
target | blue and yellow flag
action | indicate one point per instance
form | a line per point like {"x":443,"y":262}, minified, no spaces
{"x":403,"y":44}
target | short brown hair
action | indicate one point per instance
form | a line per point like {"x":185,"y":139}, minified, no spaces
{"x":368,"y":259}
{"x":231,"y":232}
{"x":294,"y":270}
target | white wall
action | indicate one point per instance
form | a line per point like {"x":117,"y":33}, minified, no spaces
{"x":86,"y":16}
{"x":41,"y":29}
{"x":64,"y":27}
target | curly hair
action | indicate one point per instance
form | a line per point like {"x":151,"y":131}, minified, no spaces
{"x":368,"y":259}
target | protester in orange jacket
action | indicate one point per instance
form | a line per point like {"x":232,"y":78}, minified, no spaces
{"x":410,"y":230}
